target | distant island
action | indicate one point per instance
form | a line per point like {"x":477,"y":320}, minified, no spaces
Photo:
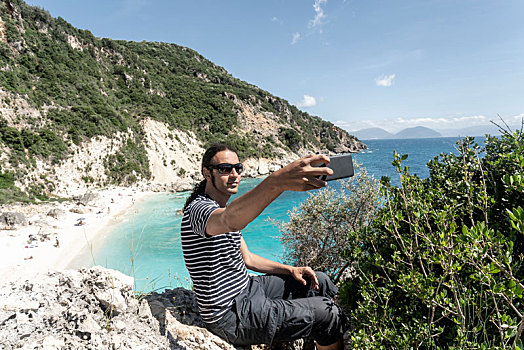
{"x":408,"y":133}
{"x":424,"y":132}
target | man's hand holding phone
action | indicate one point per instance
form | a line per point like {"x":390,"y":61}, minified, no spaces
{"x":302,"y":174}
{"x":342,"y":166}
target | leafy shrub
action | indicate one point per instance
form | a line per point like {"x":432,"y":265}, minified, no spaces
{"x":290,"y":138}
{"x":321,"y":232}
{"x":441,"y":264}
{"x":9,"y":193}
{"x":130,"y":162}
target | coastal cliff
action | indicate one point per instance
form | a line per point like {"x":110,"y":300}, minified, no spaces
{"x":79,"y":112}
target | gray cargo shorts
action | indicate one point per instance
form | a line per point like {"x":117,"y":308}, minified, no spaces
{"x":278,"y":308}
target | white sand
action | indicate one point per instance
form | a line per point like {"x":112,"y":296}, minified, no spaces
{"x":20,"y":259}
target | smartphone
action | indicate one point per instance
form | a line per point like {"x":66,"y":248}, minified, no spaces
{"x":342,"y":166}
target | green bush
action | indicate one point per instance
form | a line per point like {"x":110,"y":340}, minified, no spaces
{"x":441,"y":264}
{"x":320,"y":232}
{"x":9,"y":193}
{"x":128,"y":164}
{"x":291,"y":138}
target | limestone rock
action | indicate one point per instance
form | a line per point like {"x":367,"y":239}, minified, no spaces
{"x":86,"y":198}
{"x":80,"y":210}
{"x":12,"y":219}
{"x":72,"y":310}
{"x":56,"y":213}
{"x":61,"y":310}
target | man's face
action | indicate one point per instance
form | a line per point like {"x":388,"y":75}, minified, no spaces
{"x":226,"y":184}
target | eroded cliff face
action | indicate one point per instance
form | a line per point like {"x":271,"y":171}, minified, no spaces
{"x":174,"y":155}
{"x":96,"y":309}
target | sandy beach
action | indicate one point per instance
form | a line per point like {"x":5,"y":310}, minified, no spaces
{"x":57,"y":232}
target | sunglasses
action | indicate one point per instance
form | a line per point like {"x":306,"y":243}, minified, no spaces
{"x":227,"y":168}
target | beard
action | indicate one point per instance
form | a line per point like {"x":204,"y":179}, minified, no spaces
{"x":213,"y":181}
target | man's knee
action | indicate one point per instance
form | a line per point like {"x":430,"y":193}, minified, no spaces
{"x":325,"y":286}
{"x":330,"y":322}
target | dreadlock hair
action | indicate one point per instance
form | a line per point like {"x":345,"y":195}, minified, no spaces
{"x":200,"y":187}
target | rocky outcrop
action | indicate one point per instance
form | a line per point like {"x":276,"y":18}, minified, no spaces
{"x":87,"y":309}
{"x":96,"y":309}
{"x":3,"y":36}
{"x":56,"y":213}
{"x":86,"y":198}
{"x":11,"y":220}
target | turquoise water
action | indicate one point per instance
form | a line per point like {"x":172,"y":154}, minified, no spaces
{"x":147,"y":245}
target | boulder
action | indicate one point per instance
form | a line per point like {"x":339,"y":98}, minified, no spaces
{"x":56,"y":213}
{"x":12,"y":219}
{"x":86,"y":198}
{"x":80,"y":210}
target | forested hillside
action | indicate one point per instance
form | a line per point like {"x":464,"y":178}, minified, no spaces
{"x":64,"y":91}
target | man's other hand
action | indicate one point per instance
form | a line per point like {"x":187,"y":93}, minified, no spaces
{"x":302,"y":272}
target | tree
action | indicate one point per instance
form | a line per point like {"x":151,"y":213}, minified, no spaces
{"x":323,"y":232}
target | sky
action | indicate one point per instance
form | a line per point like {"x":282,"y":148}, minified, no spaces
{"x":377,"y":63}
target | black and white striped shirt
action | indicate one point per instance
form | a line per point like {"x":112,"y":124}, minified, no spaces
{"x":214,"y":263}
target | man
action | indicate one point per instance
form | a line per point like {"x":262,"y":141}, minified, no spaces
{"x":286,"y":304}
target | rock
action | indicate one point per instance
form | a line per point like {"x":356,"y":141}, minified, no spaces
{"x":263,"y":169}
{"x":59,"y":310}
{"x":69,"y":310}
{"x":52,"y":342}
{"x":112,"y":301}
{"x":80,"y":210}
{"x":89,"y":325}
{"x":12,"y":219}
{"x":6,"y":316}
{"x":145,"y":310}
{"x":56,"y":213}
{"x":86,"y":198}
{"x":119,"y":324}
{"x":25,"y":327}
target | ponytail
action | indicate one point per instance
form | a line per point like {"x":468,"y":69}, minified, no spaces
{"x":200,"y":188}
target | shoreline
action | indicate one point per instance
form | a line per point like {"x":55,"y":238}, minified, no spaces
{"x":27,"y":251}
{"x":23,"y":259}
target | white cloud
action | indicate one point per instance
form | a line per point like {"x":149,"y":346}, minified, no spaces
{"x":516,"y":119}
{"x":296,"y":36}
{"x":307,"y":101}
{"x":319,"y":13}
{"x":385,"y":81}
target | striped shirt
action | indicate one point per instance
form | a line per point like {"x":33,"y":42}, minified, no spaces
{"x":214,"y":263}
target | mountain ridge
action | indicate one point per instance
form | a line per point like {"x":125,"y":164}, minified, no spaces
{"x":379,"y":133}
{"x":474,"y":130}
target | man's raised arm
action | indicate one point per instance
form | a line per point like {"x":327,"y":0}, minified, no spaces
{"x":301,"y":175}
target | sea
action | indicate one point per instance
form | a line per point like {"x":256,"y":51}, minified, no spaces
{"x":146,"y":245}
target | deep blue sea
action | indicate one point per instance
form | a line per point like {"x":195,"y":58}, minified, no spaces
{"x":147,"y":243}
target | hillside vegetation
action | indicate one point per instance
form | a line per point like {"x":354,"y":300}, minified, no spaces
{"x":62,"y":88}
